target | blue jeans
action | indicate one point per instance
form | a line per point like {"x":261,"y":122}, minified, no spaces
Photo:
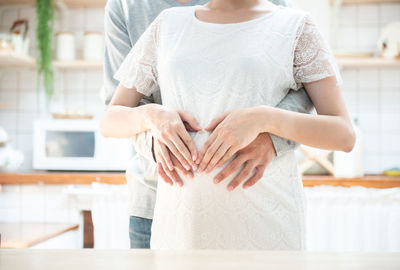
{"x":140,"y":232}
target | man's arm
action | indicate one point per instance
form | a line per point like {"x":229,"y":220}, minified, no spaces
{"x":117,"y":47}
{"x":296,"y":101}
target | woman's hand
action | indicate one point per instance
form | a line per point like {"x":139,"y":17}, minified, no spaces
{"x":232,"y":131}
{"x":169,"y":176}
{"x":168,"y":127}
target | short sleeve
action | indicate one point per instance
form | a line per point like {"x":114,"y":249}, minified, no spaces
{"x":139,"y":68}
{"x":313,"y":59}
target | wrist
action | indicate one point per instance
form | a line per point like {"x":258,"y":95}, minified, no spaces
{"x":150,"y":113}
{"x":264,"y":117}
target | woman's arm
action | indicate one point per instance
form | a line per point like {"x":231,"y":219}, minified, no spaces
{"x":330,"y":129}
{"x":123,"y":119}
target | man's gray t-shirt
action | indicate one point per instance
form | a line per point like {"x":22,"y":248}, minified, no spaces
{"x":125,"y":21}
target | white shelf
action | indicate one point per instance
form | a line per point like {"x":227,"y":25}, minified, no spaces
{"x":69,"y":3}
{"x":366,"y":2}
{"x":367,"y":63}
{"x":77,"y":64}
{"x":12,"y":60}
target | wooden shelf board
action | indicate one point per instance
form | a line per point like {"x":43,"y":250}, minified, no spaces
{"x":62,"y":178}
{"x":366,"y":2}
{"x":12,"y":60}
{"x":78,"y":64}
{"x":69,"y":3}
{"x":24,"y":235}
{"x":369,"y":181}
{"x":118,"y":178}
{"x":367,"y":62}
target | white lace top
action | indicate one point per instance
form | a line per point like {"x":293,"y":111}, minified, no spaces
{"x":206,"y":69}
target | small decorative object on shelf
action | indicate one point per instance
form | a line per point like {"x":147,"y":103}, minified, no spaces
{"x":93,"y":46}
{"x":393,"y":172}
{"x":389,"y":41}
{"x":65,"y":46}
{"x":72,"y":115}
{"x":10,"y":159}
{"x":19,"y":39}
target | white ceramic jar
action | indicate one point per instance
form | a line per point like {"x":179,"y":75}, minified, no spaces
{"x":93,"y":46}
{"x":65,"y":46}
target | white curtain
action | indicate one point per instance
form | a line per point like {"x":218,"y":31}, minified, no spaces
{"x":353,"y":219}
{"x":338,"y":218}
{"x":110,"y":216}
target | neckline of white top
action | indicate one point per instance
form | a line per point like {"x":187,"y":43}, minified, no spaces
{"x":210,"y":24}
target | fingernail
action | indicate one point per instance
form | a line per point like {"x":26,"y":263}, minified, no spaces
{"x":244,"y":186}
{"x":194,"y":157}
{"x":230,"y":188}
{"x":180,"y":184}
{"x":216,"y":181}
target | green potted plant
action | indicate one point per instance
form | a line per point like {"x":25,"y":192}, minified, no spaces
{"x":44,"y":36}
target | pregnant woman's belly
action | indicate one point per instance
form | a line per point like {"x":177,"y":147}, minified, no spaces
{"x":202,"y":214}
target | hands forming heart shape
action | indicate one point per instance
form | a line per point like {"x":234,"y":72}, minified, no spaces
{"x":175,"y":149}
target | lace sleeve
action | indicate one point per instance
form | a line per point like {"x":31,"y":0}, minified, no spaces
{"x":139,"y":68}
{"x":313,"y":60}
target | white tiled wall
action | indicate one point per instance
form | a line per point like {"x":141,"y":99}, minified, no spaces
{"x":77,"y":90}
{"x":372,"y":96}
{"x":360,"y":25}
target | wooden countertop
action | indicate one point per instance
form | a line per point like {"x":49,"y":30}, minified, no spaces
{"x":24,"y":235}
{"x":86,"y":178}
{"x":193,"y":260}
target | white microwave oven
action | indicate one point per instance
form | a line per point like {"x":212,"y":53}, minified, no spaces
{"x":77,"y":145}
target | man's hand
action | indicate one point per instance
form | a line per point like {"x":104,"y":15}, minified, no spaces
{"x":256,"y":156}
{"x":231,"y":132}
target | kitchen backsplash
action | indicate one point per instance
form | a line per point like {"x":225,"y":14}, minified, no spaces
{"x":372,"y":95}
